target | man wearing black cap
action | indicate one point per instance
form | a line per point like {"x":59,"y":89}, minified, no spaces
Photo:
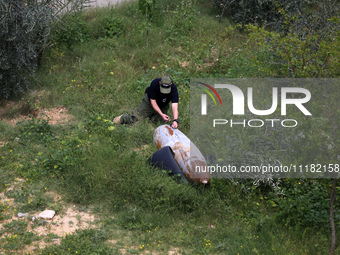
{"x":155,"y":103}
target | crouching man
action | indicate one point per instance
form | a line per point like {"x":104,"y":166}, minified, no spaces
{"x":155,"y":103}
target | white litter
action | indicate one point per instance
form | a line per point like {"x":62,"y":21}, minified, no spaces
{"x":47,"y":214}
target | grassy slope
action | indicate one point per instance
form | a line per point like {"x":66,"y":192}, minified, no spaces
{"x":104,"y":77}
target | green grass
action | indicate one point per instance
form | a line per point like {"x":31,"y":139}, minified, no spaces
{"x":93,"y":163}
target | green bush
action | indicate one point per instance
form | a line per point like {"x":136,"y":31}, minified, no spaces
{"x":259,"y":11}
{"x":289,"y":55}
{"x":183,"y":21}
{"x":74,"y":31}
{"x":80,"y":27}
{"x":305,"y":203}
{"x":113,"y":26}
{"x":312,"y":16}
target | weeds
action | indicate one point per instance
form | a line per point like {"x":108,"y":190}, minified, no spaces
{"x":34,"y":130}
{"x":99,"y":75}
{"x":75,"y":32}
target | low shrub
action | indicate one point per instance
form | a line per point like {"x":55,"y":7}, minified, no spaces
{"x":74,"y":31}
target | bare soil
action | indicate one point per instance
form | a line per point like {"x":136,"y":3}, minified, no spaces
{"x":13,"y":112}
{"x":69,"y":220}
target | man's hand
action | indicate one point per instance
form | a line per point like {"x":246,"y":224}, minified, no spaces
{"x":174,"y":124}
{"x":165,"y":117}
{"x":155,"y":106}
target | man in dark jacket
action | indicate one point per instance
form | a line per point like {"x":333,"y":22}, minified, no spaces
{"x":155,"y":103}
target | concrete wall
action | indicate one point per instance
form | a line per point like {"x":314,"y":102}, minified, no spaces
{"x":103,"y":3}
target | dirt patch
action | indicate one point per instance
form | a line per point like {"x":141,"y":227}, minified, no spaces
{"x":69,"y":220}
{"x":142,"y":149}
{"x":184,"y":63}
{"x":13,"y":113}
{"x":175,"y":251}
{"x":2,"y":143}
{"x":6,"y":105}
{"x":58,"y":115}
{"x":67,"y":223}
{"x":64,"y":224}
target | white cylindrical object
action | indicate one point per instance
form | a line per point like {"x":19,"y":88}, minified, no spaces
{"x":187,"y":155}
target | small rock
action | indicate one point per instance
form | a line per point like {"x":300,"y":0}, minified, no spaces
{"x":21,"y":215}
{"x":47,"y":214}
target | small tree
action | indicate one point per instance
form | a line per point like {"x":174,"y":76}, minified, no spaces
{"x":309,"y":47}
{"x":25,"y":27}
{"x":146,"y":7}
{"x":23,"y":33}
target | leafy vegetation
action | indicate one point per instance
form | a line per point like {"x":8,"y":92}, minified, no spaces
{"x":98,"y":68}
{"x":25,"y":31}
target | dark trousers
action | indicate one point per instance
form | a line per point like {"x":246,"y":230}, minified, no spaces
{"x":143,"y":110}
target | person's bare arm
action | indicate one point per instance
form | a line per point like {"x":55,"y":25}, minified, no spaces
{"x":158,"y":110}
{"x":175,"y":114}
